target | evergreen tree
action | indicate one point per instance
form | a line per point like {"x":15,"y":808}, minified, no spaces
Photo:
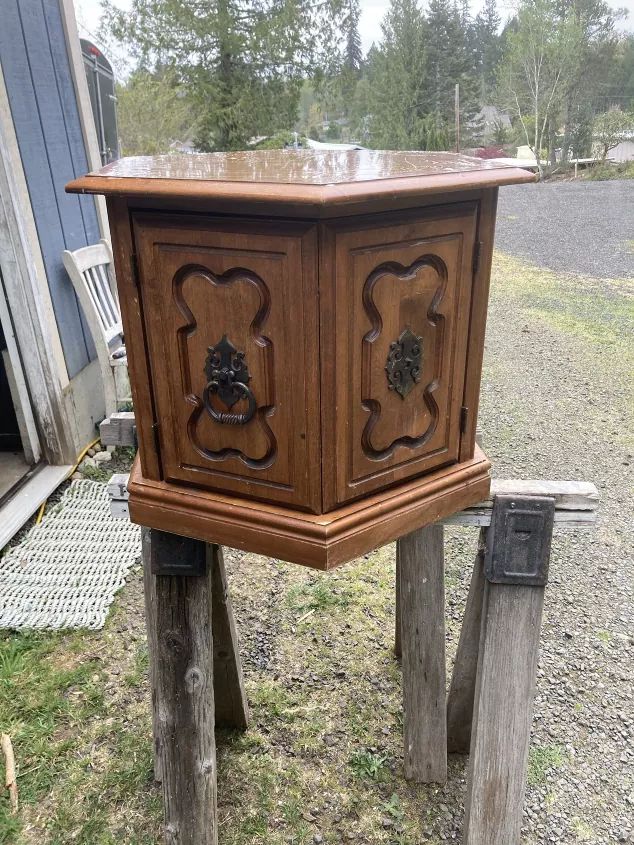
{"x":243,"y":61}
{"x":352,"y":56}
{"x":488,"y":47}
{"x":353,"y":53}
{"x":397,"y":79}
{"x":450,"y":61}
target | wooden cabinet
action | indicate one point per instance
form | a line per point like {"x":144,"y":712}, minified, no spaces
{"x":305,"y":336}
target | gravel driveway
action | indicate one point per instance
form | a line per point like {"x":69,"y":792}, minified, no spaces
{"x":571,"y":227}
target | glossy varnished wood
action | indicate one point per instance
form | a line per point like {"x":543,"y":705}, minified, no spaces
{"x":379,"y":276}
{"x":323,"y":183}
{"x":134,"y":332}
{"x":256,"y":284}
{"x":313,"y":266}
{"x":477,"y":318}
{"x":322,"y":541}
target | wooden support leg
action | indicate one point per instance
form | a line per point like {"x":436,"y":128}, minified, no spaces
{"x":422,"y":600}
{"x":463,"y":681}
{"x":232,"y":710}
{"x":516,"y":565}
{"x":149,"y":591}
{"x":398,"y":651}
{"x":182,"y":645}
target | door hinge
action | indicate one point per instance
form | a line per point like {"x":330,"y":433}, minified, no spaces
{"x":464,"y":418}
{"x":155,"y":435}
{"x":477,"y":249}
{"x":134,"y":269}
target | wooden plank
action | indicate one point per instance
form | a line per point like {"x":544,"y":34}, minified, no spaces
{"x":422,"y":593}
{"x":89,"y":130}
{"x":505,"y":689}
{"x":576,"y":502}
{"x":463,"y":680}
{"x":29,"y":298}
{"x":26,"y":501}
{"x":182,"y":645}
{"x":481,"y":518}
{"x":40,"y":127}
{"x":232,"y":710}
{"x":568,"y":495}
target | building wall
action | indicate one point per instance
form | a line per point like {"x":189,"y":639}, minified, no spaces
{"x":45,"y":114}
{"x":622,"y":152}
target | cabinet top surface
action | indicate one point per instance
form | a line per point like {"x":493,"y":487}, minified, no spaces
{"x":297,"y":175}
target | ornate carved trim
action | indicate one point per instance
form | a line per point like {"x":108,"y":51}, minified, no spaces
{"x":260,"y":414}
{"x":393,"y":268}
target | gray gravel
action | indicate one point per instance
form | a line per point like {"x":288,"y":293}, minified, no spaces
{"x":558,"y":405}
{"x":572,"y":227}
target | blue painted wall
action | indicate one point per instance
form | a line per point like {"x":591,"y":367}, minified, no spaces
{"x":37,"y":75}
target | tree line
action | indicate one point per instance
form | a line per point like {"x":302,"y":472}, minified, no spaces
{"x":226,"y":73}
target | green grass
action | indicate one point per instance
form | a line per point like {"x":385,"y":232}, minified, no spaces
{"x":541,"y":760}
{"x":40,"y":701}
{"x":76,"y":762}
{"x":98,"y":473}
{"x":601,"y":172}
{"x":368,"y":764}
{"x":323,"y":594}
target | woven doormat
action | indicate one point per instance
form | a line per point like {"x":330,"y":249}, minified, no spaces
{"x":66,"y":571}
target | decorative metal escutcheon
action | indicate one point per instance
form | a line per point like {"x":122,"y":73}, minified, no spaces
{"x":404,"y":363}
{"x":227,"y":378}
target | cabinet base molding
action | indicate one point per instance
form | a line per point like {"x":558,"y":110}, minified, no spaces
{"x":321,"y":541}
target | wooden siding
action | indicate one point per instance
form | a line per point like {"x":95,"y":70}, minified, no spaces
{"x":45,"y":114}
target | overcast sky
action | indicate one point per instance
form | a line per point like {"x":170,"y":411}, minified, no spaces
{"x":372,"y":11}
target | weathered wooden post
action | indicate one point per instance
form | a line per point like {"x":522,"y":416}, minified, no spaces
{"x":422,"y":624}
{"x":516,"y":572}
{"x":463,"y":680}
{"x":186,"y":604}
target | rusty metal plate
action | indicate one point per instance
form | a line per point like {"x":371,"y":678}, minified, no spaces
{"x":518,"y":542}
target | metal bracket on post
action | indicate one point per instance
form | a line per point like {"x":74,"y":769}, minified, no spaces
{"x":518,"y":542}
{"x":176,"y":555}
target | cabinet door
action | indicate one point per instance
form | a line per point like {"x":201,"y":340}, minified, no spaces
{"x":230,"y":308}
{"x":396,"y":293}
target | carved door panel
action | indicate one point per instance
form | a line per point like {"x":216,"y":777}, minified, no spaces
{"x":398,"y":292}
{"x":230,"y":309}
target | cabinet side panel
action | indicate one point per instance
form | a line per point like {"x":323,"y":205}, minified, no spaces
{"x":477,"y":320}
{"x":134,"y":333}
{"x":395,"y":305}
{"x":329,"y":354}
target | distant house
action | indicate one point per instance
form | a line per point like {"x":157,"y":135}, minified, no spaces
{"x":625,"y":150}
{"x":186,"y":147}
{"x":49,"y":375}
{"x":488,"y":122}
{"x":320,"y":145}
